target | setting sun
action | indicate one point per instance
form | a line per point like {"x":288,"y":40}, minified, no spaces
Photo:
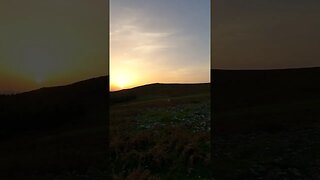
{"x":148,"y":46}
{"x":121,"y":80}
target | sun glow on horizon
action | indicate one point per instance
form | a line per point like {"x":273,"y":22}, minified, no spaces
{"x":121,"y":80}
{"x":148,"y":47}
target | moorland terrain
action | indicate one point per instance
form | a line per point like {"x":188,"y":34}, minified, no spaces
{"x":156,"y":131}
{"x":160,"y":131}
{"x":56,"y":132}
{"x":266,"y":124}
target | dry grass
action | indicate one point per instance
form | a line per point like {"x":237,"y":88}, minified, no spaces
{"x":160,"y":152}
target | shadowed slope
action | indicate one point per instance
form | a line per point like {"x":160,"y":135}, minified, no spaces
{"x":159,"y":90}
{"x":252,"y":87}
{"x":266,"y":123}
{"x":53,"y":107}
{"x":56,"y":132}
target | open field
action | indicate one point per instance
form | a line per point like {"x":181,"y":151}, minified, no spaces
{"x":161,"y":133}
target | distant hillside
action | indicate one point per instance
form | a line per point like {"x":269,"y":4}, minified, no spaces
{"x":252,"y":100}
{"x":53,"y":107}
{"x":159,"y":90}
{"x":282,"y":77}
{"x":240,"y":87}
{"x":98,"y":84}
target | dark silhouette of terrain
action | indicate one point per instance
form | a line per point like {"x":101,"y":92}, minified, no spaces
{"x":160,"y":131}
{"x":158,"y":90}
{"x":238,"y":89}
{"x":62,"y":132}
{"x":265,"y":123}
{"x":55,"y":131}
{"x":53,"y":107}
{"x":264,"y":86}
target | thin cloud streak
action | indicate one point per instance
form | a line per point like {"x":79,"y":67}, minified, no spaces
{"x":172,"y":52}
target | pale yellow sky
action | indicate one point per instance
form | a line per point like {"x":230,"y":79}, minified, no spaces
{"x":159,"y":42}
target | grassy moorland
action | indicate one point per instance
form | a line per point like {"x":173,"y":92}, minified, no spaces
{"x":160,"y":131}
{"x":55,"y":133}
{"x":266,"y":124}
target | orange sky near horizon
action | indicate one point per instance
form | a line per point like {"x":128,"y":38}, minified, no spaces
{"x":52,"y":43}
{"x":159,"y":42}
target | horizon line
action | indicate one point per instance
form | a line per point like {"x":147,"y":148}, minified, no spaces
{"x":265,"y":69}
{"x":170,"y":83}
{"x":14,"y":92}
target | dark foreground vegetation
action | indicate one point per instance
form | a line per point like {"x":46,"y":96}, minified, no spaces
{"x":160,"y":131}
{"x":55,"y":133}
{"x":266,"y":124}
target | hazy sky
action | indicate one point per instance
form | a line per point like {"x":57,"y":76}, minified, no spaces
{"x":51,"y":42}
{"x":266,"y":34}
{"x":159,"y":41}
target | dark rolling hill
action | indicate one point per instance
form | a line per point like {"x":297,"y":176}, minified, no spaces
{"x":289,"y":96}
{"x":266,"y":123}
{"x":159,"y":90}
{"x":55,"y":132}
{"x":245,"y":87}
{"x":53,"y":107}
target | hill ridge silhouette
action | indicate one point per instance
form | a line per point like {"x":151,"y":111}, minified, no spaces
{"x":244,"y":88}
{"x":159,"y":84}
{"x":52,"y":108}
{"x":272,"y":69}
{"x":78,"y":83}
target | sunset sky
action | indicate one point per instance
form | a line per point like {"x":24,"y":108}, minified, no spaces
{"x":48,"y":43}
{"x":166,"y":41}
{"x":266,"y":34}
